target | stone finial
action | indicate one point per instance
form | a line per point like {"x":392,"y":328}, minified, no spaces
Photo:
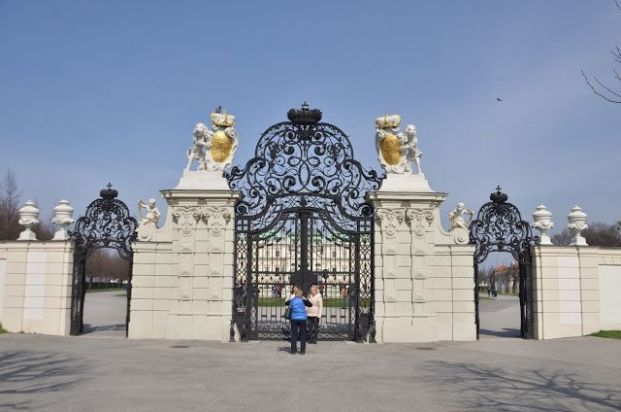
{"x":28,"y":217}
{"x":63,"y":218}
{"x":542,"y":219}
{"x":577,"y":223}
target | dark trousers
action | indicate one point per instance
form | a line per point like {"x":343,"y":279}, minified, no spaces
{"x":313,"y":328}
{"x":298,"y":328}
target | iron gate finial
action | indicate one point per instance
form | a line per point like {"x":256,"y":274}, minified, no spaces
{"x":305,"y":115}
{"x":109,"y":193}
{"x":498,"y":196}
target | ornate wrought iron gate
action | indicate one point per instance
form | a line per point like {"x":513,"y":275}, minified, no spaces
{"x":302,"y":219}
{"x":499,"y":228}
{"x":107,"y":223}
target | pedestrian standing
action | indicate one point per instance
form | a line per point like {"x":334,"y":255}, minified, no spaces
{"x":314,"y":313}
{"x":297,"y":306}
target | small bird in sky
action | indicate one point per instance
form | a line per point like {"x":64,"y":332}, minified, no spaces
{"x":498,"y":99}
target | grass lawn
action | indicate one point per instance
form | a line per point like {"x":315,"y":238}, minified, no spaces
{"x":613,"y":334}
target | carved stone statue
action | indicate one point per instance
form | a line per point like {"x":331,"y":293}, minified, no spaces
{"x":456,"y":216}
{"x":409,"y":144}
{"x":396,"y":150}
{"x":214,"y":148}
{"x":197,"y":152}
{"x":459,"y":226}
{"x":151,"y":215}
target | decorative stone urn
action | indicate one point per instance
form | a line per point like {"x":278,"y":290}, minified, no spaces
{"x":28,"y":217}
{"x":543,"y":222}
{"x":63,"y":217}
{"x":577,"y":223}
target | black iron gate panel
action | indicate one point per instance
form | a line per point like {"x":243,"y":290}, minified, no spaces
{"x":107,"y":223}
{"x":499,"y":228}
{"x":302,"y":219}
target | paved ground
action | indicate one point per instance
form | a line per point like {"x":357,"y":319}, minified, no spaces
{"x":104,"y":313}
{"x":113,"y":374}
{"x":103,"y":372}
{"x":499,"y":317}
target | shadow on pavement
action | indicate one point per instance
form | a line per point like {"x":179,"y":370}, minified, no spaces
{"x":24,"y":373}
{"x":92,"y":329}
{"x":504,"y":333}
{"x":494,"y":388}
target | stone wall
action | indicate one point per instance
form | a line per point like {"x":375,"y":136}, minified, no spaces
{"x":577,"y":290}
{"x":35,"y":286}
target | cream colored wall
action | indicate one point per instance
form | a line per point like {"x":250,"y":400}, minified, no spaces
{"x":36,"y":286}
{"x":575,"y":290}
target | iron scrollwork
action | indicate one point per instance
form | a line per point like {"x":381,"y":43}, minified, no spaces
{"x":499,"y":227}
{"x":302,"y":215}
{"x":107,"y":223}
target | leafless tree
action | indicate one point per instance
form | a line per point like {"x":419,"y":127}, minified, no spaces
{"x":611,"y":94}
{"x":9,"y":207}
{"x":107,"y":264}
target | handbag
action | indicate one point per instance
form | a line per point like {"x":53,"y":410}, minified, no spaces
{"x":287,"y":314}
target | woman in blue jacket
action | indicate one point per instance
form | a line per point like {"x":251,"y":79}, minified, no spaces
{"x":297,"y":306}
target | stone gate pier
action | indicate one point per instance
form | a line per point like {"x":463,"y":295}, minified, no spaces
{"x":423,"y":278}
{"x":183,"y":273}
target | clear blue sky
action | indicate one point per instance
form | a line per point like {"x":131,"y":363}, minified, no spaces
{"x":98,"y":91}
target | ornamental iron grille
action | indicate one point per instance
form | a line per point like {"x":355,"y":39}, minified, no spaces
{"x":499,"y":228}
{"x":302,"y":219}
{"x":107,"y":224}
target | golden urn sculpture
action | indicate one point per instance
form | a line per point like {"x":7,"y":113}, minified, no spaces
{"x":214,"y":147}
{"x":395,"y":149}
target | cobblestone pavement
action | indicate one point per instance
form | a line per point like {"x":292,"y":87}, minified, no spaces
{"x":89,"y":373}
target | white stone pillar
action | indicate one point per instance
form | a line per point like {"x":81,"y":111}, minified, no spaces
{"x":202,"y":209}
{"x":407,"y":213}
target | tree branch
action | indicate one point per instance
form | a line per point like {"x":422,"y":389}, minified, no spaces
{"x":616,"y":96}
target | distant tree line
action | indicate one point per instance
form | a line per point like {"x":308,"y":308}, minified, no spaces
{"x":598,"y":234}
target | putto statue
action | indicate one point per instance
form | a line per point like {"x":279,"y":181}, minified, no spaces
{"x":396,"y":150}
{"x":151,"y":215}
{"x":214,"y":148}
{"x":456,"y":216}
{"x":459,"y":226}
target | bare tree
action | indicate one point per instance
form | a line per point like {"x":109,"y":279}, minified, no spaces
{"x":9,"y":207}
{"x":107,"y":264}
{"x":611,"y":94}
